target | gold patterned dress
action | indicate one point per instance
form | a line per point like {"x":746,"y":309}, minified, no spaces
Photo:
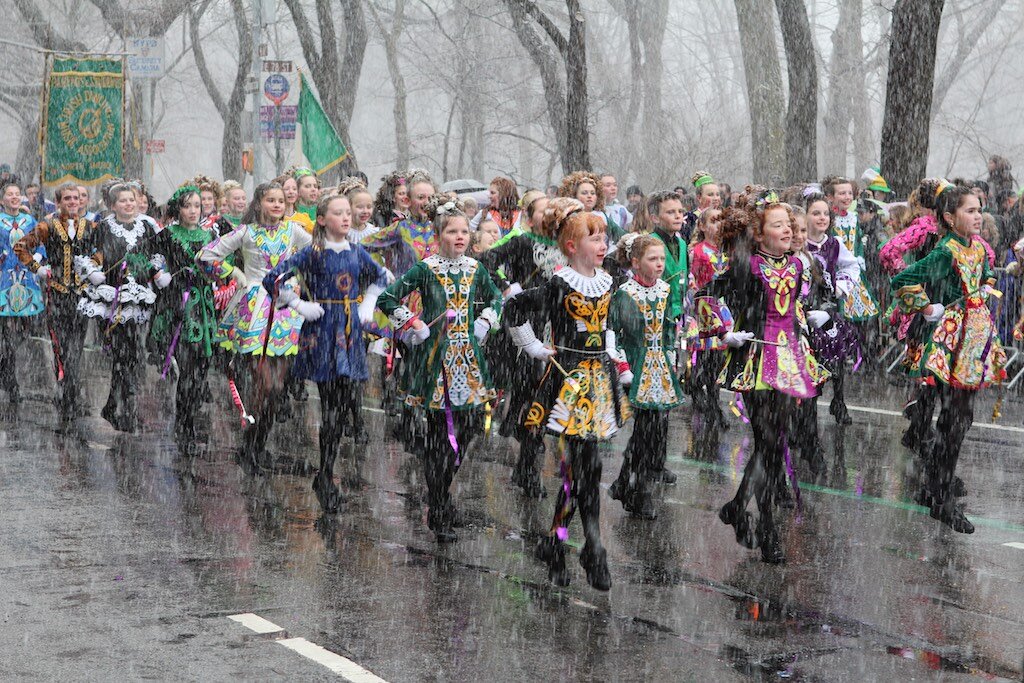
{"x":584,"y":403}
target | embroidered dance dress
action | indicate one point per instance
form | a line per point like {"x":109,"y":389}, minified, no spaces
{"x":454,"y":359}
{"x":764,"y":299}
{"x":639,"y":318}
{"x":962,"y":349}
{"x":177,"y":248}
{"x":120,"y":251}
{"x":577,"y":307}
{"x":333,"y":345}
{"x":244,"y":325}
{"x":837,"y":339}
{"x":860,"y":304}
{"x":20,"y":294}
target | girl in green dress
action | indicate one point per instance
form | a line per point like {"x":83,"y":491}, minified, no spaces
{"x":449,"y":377}
{"x":950,"y":287}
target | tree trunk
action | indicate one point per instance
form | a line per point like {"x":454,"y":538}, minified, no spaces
{"x":843,"y":71}
{"x":801,"y":137}
{"x":908,"y":97}
{"x":577,"y":130}
{"x":764,"y":88}
{"x":566,"y":100}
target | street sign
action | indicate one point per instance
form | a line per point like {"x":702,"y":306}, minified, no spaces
{"x":284,"y":126}
{"x":276,"y":87}
{"x":277,"y":66}
{"x":146,"y":57}
{"x":156,"y":146}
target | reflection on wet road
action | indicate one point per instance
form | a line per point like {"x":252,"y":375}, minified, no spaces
{"x":120,"y":559}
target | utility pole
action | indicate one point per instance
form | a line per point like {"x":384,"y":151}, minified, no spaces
{"x":257,"y":67}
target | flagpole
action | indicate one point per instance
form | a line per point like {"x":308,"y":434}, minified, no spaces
{"x":257,"y":63}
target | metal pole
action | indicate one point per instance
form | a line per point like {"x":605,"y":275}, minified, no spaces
{"x":257,"y":62}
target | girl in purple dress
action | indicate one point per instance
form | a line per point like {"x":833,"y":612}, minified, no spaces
{"x":769,"y":361}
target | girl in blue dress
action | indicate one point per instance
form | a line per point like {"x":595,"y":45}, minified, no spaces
{"x":334,"y":308}
{"x":20,"y":294}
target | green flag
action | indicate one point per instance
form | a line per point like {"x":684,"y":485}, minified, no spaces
{"x":83,"y":120}
{"x":321,"y":144}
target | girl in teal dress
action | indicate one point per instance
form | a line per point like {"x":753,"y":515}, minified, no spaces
{"x":459,"y":304}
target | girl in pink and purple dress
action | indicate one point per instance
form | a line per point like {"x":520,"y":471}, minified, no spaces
{"x":769,"y":361}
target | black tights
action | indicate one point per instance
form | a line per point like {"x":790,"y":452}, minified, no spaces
{"x":584,"y":462}
{"x":646,"y":450}
{"x":338,"y":397}
{"x":439,"y":459}
{"x":125,"y":341}
{"x":956,"y":416}
{"x":193,"y":365}
{"x":769,"y":413}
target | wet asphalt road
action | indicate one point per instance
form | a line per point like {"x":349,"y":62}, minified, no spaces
{"x":120,"y":560}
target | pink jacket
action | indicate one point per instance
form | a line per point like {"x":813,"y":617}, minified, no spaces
{"x":913,"y":238}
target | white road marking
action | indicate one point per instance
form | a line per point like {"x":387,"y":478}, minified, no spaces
{"x":342,"y":666}
{"x":256,"y":623}
{"x":980,"y":425}
{"x":346,"y":668}
{"x":1015,"y":544}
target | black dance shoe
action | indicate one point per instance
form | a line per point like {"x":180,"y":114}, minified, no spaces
{"x":551,"y":551}
{"x":327,"y":494}
{"x":595,"y":563}
{"x":953,"y":517}
{"x":740,"y":521}
{"x":771,"y":546}
{"x":665,"y":476}
{"x":839,"y":411}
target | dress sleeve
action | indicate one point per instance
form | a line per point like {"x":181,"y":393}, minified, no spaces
{"x":29,"y":243}
{"x":490,"y":296}
{"x":518,"y":309}
{"x":298,"y":263}
{"x":384,"y":238}
{"x":390,"y":300}
{"x":371,"y":271}
{"x":494,"y":258}
{"x":213,"y":257}
{"x":847,"y":264}
{"x":908,"y":286}
{"x":895,"y":249}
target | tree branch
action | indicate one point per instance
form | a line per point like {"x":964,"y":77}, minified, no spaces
{"x":305,"y":32}
{"x":43,"y":31}
{"x":560,"y":41}
{"x":200,"y":59}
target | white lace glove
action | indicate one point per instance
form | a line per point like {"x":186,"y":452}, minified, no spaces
{"x":536,"y":349}
{"x":480,"y":329}
{"x":844,"y":286}
{"x":513,"y":289}
{"x":817,"y":318}
{"x":44,"y":273}
{"x":369,"y":304}
{"x":162,"y":279}
{"x":286,"y":296}
{"x":96,"y":278}
{"x":737,"y":339}
{"x":626,"y":378}
{"x":416,"y":337}
{"x":239,"y":277}
{"x":861,"y":262}
{"x":38,"y":258}
{"x":309,"y":310}
{"x":936,"y":314}
{"x":1013,"y":269}
{"x":389,"y":277}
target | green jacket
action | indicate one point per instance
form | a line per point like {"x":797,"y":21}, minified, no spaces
{"x":676,"y":272}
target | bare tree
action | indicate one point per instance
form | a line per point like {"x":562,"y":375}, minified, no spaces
{"x":391,"y":38}
{"x":567,"y":100}
{"x":230,"y":109}
{"x":908,"y":100}
{"x":801,"y":137}
{"x":764,"y":88}
{"x":336,"y":73}
{"x":845,"y":85}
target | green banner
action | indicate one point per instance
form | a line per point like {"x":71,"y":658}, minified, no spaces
{"x":83,"y":121}
{"x":321,"y":144}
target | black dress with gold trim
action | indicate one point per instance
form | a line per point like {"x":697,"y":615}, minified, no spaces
{"x":589,"y":407}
